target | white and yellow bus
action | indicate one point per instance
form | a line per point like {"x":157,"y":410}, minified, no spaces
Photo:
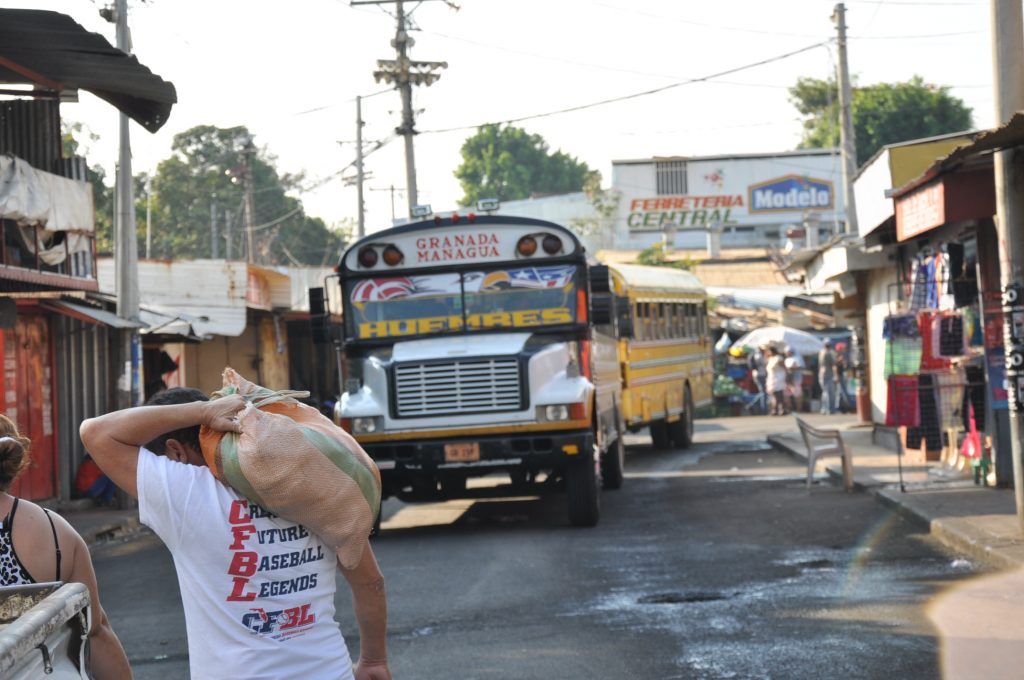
{"x":664,"y":350}
{"x":482,"y":344}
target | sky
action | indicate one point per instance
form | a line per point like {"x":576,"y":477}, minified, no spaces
{"x":290,"y":72}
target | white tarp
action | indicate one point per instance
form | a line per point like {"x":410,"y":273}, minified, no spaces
{"x":34,"y":198}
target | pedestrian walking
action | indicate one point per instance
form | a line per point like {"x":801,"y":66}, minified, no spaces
{"x":756,"y":362}
{"x":827,"y":377}
{"x":775,"y":382}
{"x":37,"y":546}
{"x":257,"y":589}
{"x":794,"y":380}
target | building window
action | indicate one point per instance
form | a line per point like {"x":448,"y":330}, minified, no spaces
{"x":671,"y":178}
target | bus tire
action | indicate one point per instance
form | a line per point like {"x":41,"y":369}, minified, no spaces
{"x":681,"y":431}
{"x":613,"y":461}
{"x":582,"y":492}
{"x":659,"y":434}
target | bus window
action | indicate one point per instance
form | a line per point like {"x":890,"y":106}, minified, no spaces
{"x":624,"y":312}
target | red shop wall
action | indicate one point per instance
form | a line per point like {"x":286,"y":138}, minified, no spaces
{"x":28,"y":401}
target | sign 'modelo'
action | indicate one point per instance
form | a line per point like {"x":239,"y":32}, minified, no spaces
{"x":789,"y":193}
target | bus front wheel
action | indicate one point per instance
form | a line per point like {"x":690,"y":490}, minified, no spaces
{"x":582,"y":489}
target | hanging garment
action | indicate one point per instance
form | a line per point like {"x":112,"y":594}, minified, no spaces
{"x":918,"y":285}
{"x":931,"y":360}
{"x":902,"y":407}
{"x":928,"y":431}
{"x":974,"y":395}
{"x":933,"y":292}
{"x":902,"y":356}
{"x":900,"y":326}
{"x":944,"y":281}
{"x":951,"y":336}
{"x":949,"y":392}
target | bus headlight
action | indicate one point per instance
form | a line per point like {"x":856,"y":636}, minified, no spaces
{"x":554,"y":413}
{"x":367,"y":425}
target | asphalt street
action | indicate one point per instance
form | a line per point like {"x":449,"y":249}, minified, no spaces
{"x":709,"y":563}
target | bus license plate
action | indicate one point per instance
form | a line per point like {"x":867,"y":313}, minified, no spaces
{"x":461,"y":453}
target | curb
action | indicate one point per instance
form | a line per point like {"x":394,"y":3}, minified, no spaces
{"x":959,"y":538}
{"x":956,"y":533}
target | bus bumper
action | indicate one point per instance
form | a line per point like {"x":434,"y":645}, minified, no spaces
{"x":423,"y":470}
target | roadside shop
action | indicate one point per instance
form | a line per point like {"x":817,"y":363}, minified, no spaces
{"x":943,"y":326}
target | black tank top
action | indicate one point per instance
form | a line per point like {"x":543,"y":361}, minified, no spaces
{"x":12,"y":571}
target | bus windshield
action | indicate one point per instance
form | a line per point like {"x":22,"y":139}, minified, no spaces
{"x":519,"y":297}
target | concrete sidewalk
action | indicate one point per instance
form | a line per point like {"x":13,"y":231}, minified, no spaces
{"x":979,"y":521}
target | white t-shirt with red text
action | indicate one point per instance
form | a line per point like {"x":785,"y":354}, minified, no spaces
{"x":258,"y":590}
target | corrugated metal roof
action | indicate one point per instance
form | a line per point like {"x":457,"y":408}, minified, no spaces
{"x":1007,"y":136}
{"x":669,"y":279}
{"x":211,"y":292}
{"x":57,"y":48}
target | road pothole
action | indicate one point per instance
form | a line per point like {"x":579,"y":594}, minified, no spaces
{"x":682,"y":598}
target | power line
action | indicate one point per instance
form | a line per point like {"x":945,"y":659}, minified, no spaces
{"x":912,"y":37}
{"x":636,"y":95}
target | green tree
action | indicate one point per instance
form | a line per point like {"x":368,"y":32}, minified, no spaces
{"x":508,"y":163}
{"x":206,"y":167}
{"x":885,"y":113}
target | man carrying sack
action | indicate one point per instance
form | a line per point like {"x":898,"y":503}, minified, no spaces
{"x":258,"y":589}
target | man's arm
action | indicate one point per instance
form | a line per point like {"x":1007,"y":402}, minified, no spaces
{"x":114,"y":439}
{"x":369,"y":601}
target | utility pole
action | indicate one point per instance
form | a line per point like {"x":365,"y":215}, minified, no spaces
{"x":213,"y":227}
{"x":1007,"y":56}
{"x":391,"y":189}
{"x":127,"y":244}
{"x":248,"y":151}
{"x":361,"y":222}
{"x":405,"y":73}
{"x":149,"y":214}
{"x":847,"y":140}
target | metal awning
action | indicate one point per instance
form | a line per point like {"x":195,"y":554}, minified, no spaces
{"x":51,"y":50}
{"x":90,"y":314}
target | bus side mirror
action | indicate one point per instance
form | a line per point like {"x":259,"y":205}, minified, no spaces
{"x":600,"y":309}
{"x":319,"y":319}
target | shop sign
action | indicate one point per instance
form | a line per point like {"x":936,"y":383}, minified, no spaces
{"x":654,"y":214}
{"x":920,"y":211}
{"x":457,"y":247}
{"x":792,"y":193}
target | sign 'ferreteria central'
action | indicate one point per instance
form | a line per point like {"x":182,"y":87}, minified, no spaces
{"x":682,"y":211}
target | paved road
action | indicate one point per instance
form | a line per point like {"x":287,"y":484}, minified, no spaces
{"x":713,"y":563}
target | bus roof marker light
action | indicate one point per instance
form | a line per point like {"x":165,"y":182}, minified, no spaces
{"x":367,"y":257}
{"x":526,"y":246}
{"x":455,"y":218}
{"x":471,"y":217}
{"x":392,"y":256}
{"x":552,"y":244}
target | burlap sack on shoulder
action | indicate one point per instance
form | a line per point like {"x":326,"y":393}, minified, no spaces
{"x":295,"y":462}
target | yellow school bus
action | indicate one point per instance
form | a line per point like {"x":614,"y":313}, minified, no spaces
{"x":664,"y":350}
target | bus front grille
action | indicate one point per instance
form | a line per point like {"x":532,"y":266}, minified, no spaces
{"x":457,"y":387}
